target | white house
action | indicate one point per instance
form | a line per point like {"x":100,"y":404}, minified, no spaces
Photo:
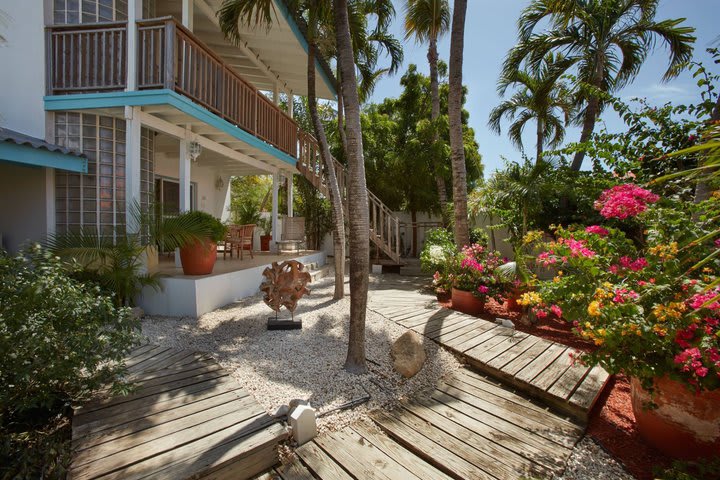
{"x":109,"y":102}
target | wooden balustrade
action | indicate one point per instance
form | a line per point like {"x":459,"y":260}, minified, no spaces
{"x":93,"y":58}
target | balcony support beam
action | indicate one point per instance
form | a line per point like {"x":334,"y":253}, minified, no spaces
{"x":188,"y":12}
{"x":134,"y":14}
{"x":274,"y":219}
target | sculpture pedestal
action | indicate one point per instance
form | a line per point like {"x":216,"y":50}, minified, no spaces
{"x":284,"y":324}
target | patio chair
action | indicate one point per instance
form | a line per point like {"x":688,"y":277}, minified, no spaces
{"x":239,"y":238}
{"x":293,"y":234}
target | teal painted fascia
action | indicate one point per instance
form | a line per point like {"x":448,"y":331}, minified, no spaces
{"x":38,"y":157}
{"x":304,"y":43}
{"x":140,"y":98}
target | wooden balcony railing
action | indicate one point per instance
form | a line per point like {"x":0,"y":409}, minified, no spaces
{"x":93,"y":58}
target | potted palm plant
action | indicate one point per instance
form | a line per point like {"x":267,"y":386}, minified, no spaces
{"x":266,"y":227}
{"x":198,"y":257}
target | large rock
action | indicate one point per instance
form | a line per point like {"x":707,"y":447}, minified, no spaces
{"x":408,"y":354}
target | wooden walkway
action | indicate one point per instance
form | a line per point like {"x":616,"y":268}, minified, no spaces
{"x":469,"y":427}
{"x":538,"y":367}
{"x":187,"y":418}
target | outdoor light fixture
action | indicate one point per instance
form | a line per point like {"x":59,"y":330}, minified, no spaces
{"x":194,"y":149}
{"x":219,"y":183}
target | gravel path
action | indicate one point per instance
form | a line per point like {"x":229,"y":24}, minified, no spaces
{"x":277,"y":366}
{"x":589,"y":461}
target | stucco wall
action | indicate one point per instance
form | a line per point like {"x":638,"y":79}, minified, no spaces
{"x":22,"y":205}
{"x":22,"y":83}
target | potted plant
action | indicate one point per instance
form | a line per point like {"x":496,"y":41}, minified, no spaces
{"x":438,"y":255}
{"x":198,"y":257}
{"x":474,"y":280}
{"x":266,"y":228}
{"x":651,"y":307}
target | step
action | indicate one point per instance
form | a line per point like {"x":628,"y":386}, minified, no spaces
{"x":538,"y":367}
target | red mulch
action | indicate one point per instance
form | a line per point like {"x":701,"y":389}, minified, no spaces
{"x":612,"y":423}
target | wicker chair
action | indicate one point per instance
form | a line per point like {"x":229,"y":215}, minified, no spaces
{"x":239,"y":238}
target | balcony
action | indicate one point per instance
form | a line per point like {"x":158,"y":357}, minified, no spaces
{"x":93,"y":58}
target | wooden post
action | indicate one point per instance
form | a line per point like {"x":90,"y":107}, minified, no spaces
{"x":290,"y":195}
{"x":291,"y":105}
{"x":188,"y":12}
{"x":170,"y":55}
{"x":274,"y":218}
{"x":134,"y":13}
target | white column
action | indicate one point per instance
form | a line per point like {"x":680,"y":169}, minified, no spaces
{"x":276,"y":93}
{"x":184,"y":167}
{"x":188,"y":9}
{"x":290,"y":194}
{"x":134,"y":14}
{"x":132,"y":165}
{"x":50,"y":200}
{"x":274,"y":218}
{"x":291,"y":105}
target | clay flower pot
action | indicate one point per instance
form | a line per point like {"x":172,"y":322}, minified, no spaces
{"x":265,"y":243}
{"x":466,"y":302}
{"x":198,"y":258}
{"x":443,"y":295}
{"x":685,"y":425}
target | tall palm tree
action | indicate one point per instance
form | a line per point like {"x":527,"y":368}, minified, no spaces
{"x":607,"y":41}
{"x":540,"y":96}
{"x":318,"y":13}
{"x":357,"y":193}
{"x":457,"y":147}
{"x":428,"y":20}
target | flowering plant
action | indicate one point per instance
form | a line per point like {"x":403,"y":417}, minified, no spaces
{"x":651,"y":306}
{"x":474,"y":271}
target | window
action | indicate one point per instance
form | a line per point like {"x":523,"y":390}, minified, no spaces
{"x":167,"y":194}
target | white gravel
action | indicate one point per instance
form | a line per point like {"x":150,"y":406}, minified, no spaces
{"x":589,"y":461}
{"x":278,"y":366}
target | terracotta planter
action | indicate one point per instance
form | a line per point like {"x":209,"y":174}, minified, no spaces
{"x":685,"y":425}
{"x":443,"y":296}
{"x":465,"y":302}
{"x":265,"y":243}
{"x":198,"y":258}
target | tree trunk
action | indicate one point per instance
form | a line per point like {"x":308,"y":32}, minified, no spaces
{"x":587,"y":130}
{"x":539,"y":140}
{"x":357,"y":194}
{"x":341,"y":117}
{"x":413,"y":219}
{"x":462,"y":234}
{"x":432,"y":57}
{"x":336,"y":200}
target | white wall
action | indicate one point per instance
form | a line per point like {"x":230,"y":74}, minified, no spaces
{"x":22,"y":82}
{"x":22,"y":205}
{"x":209,"y":198}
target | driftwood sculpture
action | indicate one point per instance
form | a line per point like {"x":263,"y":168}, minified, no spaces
{"x":284,"y":285}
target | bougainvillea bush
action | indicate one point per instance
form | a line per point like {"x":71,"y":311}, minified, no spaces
{"x":473,"y":270}
{"x":649,"y":304}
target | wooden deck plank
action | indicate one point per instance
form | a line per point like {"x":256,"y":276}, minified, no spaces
{"x":451,"y":463}
{"x":449,"y":328}
{"x":294,"y":471}
{"x":320,"y":463}
{"x":473,"y":342}
{"x":400,"y":454}
{"x":444,"y":338}
{"x":586,"y":394}
{"x":554,"y":371}
{"x":179,"y":358}
{"x":499,"y":347}
{"x":360,"y":457}
{"x":149,"y":353}
{"x":566,"y":385}
{"x":437,"y":324}
{"x":512,"y":353}
{"x":522,"y":360}
{"x":480,"y":328}
{"x":143,"y":366}
{"x":540,"y":363}
{"x":238,"y":468}
{"x":422,"y":318}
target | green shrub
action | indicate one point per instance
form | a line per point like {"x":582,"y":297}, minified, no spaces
{"x":439,"y":244}
{"x":215,"y":229}
{"x":60,"y":340}
{"x":478,"y":236}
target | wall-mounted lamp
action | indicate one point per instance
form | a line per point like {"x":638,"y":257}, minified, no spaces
{"x":194,"y":149}
{"x":219,"y":183}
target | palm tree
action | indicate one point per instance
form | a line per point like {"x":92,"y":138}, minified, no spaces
{"x":606,"y":41}
{"x":457,"y":147}
{"x":231,"y":13}
{"x":539,"y":98}
{"x":357,"y":193}
{"x":427,"y":20}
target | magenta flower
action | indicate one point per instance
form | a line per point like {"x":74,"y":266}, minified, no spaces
{"x":557,"y":311}
{"x":624,"y":201}
{"x":598,"y":230}
{"x":483,"y":289}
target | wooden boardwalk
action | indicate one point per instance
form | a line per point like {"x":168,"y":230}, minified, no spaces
{"x":538,"y":367}
{"x":469,"y":427}
{"x":187,"y":418}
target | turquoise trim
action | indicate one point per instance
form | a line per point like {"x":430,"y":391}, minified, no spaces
{"x":141,"y":98}
{"x":37,"y":157}
{"x":303,"y":42}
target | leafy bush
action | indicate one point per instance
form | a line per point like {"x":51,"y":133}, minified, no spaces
{"x":439,"y":243}
{"x":247,"y":213}
{"x":478,"y":236}
{"x":215,"y":229}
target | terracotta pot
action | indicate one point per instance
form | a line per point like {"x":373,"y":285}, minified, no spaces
{"x":466,"y":302}
{"x":265,"y":243}
{"x":685,"y":425}
{"x":443,"y":295}
{"x":198,"y":258}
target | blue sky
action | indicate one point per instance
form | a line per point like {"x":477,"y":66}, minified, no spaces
{"x":490,"y":31}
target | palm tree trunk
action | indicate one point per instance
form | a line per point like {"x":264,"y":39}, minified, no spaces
{"x":335,"y":198}
{"x":462,"y":234}
{"x":539,"y":140}
{"x":341,"y":117}
{"x":588,"y":127}
{"x":357,"y":194}
{"x":432,"y":57}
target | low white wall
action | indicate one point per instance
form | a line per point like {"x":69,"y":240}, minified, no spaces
{"x":23,"y":215}
{"x":192,"y":297}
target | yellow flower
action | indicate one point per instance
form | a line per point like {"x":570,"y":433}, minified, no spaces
{"x":664,"y":252}
{"x":556,"y":280}
{"x":599,"y":341}
{"x":560,"y":273}
{"x":532,"y":237}
{"x":530,"y":298}
{"x":594,"y":309}
{"x":707,"y":270}
{"x":660,"y":330}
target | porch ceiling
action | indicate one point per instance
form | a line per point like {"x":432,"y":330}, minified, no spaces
{"x":280,"y":52}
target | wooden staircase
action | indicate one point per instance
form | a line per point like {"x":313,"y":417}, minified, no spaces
{"x":384,"y":225}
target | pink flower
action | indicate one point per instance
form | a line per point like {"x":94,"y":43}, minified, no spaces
{"x":541,"y":314}
{"x":557,"y":311}
{"x":634,"y":265}
{"x":483,"y":289}
{"x":578,"y":248}
{"x":701,"y":371}
{"x":624,"y":201}
{"x":598,"y":230}
{"x":717,"y":242}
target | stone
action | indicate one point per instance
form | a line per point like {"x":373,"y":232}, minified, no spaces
{"x":408,"y":354}
{"x":303,"y":423}
{"x":137,"y":313}
{"x":295,"y":402}
{"x":281,"y":411}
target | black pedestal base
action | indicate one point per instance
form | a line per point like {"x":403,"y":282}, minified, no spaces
{"x":280,"y":324}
